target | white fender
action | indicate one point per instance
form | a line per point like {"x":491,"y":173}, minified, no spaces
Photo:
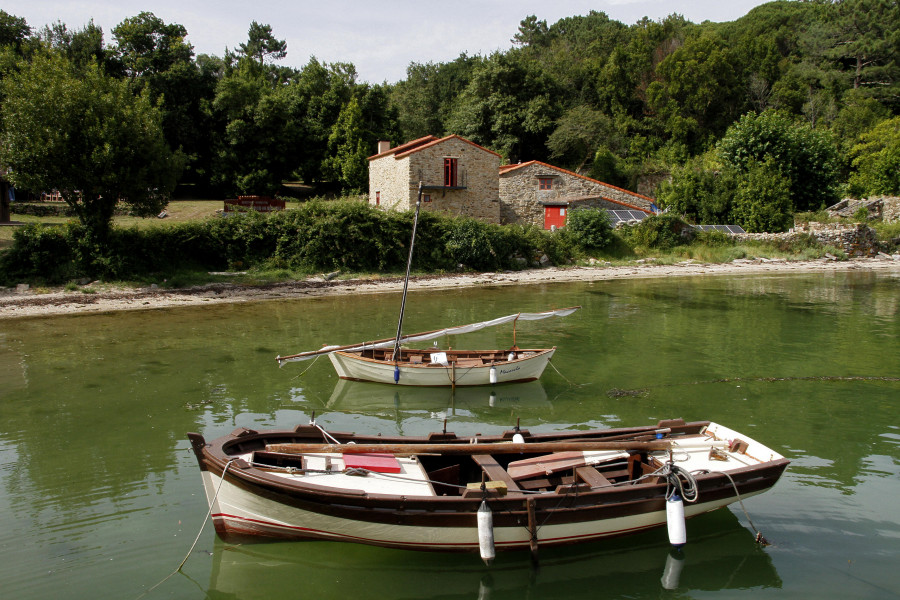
{"x":486,"y":533}
{"x":675,"y":521}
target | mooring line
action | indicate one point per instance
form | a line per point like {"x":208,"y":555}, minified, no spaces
{"x":196,"y":539}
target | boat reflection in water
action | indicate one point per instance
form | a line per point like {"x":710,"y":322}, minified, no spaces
{"x":383,"y":399}
{"x":721,"y":554}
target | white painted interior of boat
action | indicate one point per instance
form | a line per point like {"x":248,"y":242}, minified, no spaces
{"x":412,"y":480}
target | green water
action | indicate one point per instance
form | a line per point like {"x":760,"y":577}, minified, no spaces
{"x":100,"y":496}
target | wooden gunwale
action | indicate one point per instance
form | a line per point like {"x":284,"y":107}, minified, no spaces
{"x":451,"y":354}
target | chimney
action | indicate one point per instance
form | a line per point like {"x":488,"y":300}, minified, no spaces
{"x":383,"y":147}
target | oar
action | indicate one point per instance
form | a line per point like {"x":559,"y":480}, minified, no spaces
{"x":465,"y":449}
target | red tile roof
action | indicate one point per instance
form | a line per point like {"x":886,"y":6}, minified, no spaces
{"x":425,"y":142}
{"x":405,"y":147}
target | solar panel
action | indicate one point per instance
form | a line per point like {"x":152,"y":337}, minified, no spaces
{"x":725,"y":228}
{"x":625,"y":216}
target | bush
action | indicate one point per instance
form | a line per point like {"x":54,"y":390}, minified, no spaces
{"x":659,"y":232}
{"x":350,"y":236}
{"x":589,"y":228}
{"x":763,"y":199}
{"x":38,"y":252}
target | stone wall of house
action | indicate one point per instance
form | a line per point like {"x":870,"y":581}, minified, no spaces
{"x":389,"y":178}
{"x":476,"y":171}
{"x":857,"y":240}
{"x":522,"y":202}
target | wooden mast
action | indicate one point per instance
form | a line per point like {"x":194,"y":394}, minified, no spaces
{"x":395,"y":356}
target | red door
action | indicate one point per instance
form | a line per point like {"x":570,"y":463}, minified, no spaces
{"x":554,"y":215}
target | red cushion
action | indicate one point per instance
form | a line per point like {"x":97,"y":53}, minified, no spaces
{"x":380,"y":463}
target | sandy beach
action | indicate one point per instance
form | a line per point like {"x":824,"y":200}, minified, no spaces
{"x":28,"y":303}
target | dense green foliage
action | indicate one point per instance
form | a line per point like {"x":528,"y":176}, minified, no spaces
{"x":589,"y":228}
{"x":877,"y":160}
{"x":807,"y":158}
{"x":87,"y":135}
{"x":317,"y":236}
{"x":806,"y":93}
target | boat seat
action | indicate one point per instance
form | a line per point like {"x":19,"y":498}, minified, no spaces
{"x":495,"y":472}
{"x":591,"y":476}
{"x":462,"y":363}
{"x":415,"y":359}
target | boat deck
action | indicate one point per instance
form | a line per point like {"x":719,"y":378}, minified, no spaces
{"x":431,"y":476}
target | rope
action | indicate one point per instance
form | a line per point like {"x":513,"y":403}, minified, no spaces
{"x":676,"y":478}
{"x":328,"y":436}
{"x":759,"y":536}
{"x":303,"y":372}
{"x":208,"y":513}
{"x":560,"y":374}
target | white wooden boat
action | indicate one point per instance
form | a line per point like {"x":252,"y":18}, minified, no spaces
{"x":428,"y":493}
{"x":386,"y":361}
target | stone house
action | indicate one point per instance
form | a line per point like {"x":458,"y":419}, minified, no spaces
{"x":540,"y":194}
{"x":459,"y":177}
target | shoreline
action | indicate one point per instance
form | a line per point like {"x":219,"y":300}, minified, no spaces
{"x":16,"y":304}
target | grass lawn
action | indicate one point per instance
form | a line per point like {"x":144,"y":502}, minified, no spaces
{"x":178,"y":211}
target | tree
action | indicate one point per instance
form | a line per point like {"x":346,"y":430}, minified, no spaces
{"x":81,"y":47}
{"x":88,"y":136}
{"x":700,"y":194}
{"x":579,"y":133}
{"x":696,"y":92}
{"x":147,"y":46}
{"x":807,"y":158}
{"x":507,"y":107}
{"x":347,"y":151}
{"x":425,"y":98}
{"x":589,"y":228}
{"x":261,"y":45}
{"x":762,"y":201}
{"x":876,"y":161}
{"x":157,"y":57}
{"x":866,"y":45}
{"x":13,"y":30}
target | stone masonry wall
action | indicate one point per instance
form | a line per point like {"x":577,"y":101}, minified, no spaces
{"x":890,"y":211}
{"x":476,"y":170}
{"x":521,"y":200}
{"x":389,"y":177}
{"x":856,"y":240}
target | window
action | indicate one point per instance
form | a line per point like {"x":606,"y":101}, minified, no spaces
{"x":545,"y":183}
{"x":450,"y":172}
{"x":426,"y":197}
{"x":377,"y":198}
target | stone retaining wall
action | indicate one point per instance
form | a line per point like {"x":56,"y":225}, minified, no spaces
{"x":857,"y":240}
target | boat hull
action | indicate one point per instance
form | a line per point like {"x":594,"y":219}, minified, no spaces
{"x":528,"y":367}
{"x":246,"y":500}
{"x":240,"y":512}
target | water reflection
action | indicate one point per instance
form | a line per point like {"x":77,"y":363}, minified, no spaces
{"x":375,"y":398}
{"x":720,"y":555}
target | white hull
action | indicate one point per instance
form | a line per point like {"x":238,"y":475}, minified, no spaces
{"x":526,"y":368}
{"x":239,"y":511}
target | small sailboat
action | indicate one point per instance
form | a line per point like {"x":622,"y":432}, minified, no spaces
{"x":380,"y":361}
{"x":385,"y":361}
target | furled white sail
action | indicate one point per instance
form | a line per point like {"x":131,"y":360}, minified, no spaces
{"x":429,"y":335}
